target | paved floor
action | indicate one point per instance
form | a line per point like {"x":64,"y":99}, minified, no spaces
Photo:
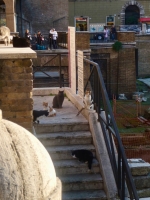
{"x":67,"y":114}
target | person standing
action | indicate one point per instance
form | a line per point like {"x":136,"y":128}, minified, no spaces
{"x":27,"y":34}
{"x":54,"y":37}
{"x":39,"y":38}
{"x":105,"y":34}
{"x":113,"y":33}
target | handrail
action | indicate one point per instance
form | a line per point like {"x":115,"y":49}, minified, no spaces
{"x":102,"y":105}
{"x":61,"y":82}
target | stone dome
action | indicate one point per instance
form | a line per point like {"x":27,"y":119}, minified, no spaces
{"x":26,"y":169}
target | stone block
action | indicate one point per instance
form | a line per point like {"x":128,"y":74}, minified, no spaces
{"x":140,"y":168}
{"x":18,"y":69}
{"x":20,"y":108}
{"x":18,"y":95}
{"x":126,"y":36}
{"x":15,"y":83}
{"x":82,"y":40}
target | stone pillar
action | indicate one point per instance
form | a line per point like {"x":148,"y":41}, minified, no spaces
{"x":82,"y":40}
{"x":10,"y":15}
{"x":16,"y":83}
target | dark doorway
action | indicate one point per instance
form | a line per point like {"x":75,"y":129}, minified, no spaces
{"x":132,"y":15}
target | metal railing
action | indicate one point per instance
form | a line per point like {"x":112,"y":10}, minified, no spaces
{"x":102,"y":105}
{"x":62,"y":41}
{"x":43,"y":76}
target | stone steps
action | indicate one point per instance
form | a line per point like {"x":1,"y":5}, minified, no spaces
{"x":61,"y":127}
{"x":72,"y":182}
{"x":82,"y":195}
{"x":141,"y":175}
{"x":65,"y":138}
{"x":60,"y":138}
{"x":64,"y":152}
{"x":63,"y":167}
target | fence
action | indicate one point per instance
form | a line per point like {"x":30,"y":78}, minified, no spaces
{"x":102,"y":105}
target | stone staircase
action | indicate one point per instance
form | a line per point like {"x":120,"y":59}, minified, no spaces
{"x":141,"y":175}
{"x":60,"y":139}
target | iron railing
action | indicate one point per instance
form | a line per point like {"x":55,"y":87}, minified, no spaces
{"x":102,"y":105}
{"x":44,"y":76}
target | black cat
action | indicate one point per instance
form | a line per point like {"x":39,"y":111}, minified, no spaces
{"x":84,"y":156}
{"x":58,"y":100}
{"x":20,"y":42}
{"x":38,"y":113}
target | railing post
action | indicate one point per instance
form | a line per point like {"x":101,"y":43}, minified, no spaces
{"x":60,"y":84}
{"x":121,"y":171}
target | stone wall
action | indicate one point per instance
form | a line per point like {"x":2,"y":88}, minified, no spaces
{"x":47,"y":14}
{"x":16,"y":85}
{"x":143,"y":44}
{"x":120,"y":72}
{"x":126,"y":36}
{"x":82,"y":40}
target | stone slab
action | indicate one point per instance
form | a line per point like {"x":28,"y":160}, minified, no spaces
{"x":82,"y":195}
{"x":66,"y":114}
{"x":17,"y":53}
{"x":139,"y":168}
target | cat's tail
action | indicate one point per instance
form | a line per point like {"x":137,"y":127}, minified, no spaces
{"x":79,"y":111}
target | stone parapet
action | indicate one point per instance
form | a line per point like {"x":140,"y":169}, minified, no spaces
{"x":82,"y":40}
{"x":142,"y":43}
{"x":16,"y":85}
{"x":127,"y":36}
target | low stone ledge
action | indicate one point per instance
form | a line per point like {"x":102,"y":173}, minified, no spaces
{"x":139,"y":167}
{"x":17,"y":53}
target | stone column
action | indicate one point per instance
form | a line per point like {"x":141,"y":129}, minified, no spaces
{"x":16,"y":83}
{"x":10,"y":15}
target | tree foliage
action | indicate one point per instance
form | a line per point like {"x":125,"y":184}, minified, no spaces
{"x":117,"y":46}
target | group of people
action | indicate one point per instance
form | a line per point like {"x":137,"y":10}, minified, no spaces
{"x":111,"y":32}
{"x":38,"y":38}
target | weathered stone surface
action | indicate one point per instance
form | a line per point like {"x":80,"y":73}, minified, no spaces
{"x":142,"y":182}
{"x":127,"y":36}
{"x":26,"y":169}
{"x":138,"y":169}
{"x":144,"y":193}
{"x":16,"y":86}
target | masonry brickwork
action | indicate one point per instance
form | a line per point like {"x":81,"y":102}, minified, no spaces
{"x":46,"y":14}
{"x":120,"y":71}
{"x":143,"y":44}
{"x":16,"y":85}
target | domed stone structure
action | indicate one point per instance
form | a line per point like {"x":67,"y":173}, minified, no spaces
{"x":26,"y":169}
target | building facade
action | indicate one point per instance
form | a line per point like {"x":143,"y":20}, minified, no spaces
{"x":43,"y":15}
{"x":125,"y":12}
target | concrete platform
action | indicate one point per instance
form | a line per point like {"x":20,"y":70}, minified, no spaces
{"x":66,"y":114}
{"x":10,"y":52}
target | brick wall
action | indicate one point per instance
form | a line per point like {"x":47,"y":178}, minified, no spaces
{"x":45,"y":14}
{"x":82,"y":40}
{"x":126,"y":36}
{"x":122,"y":65}
{"x":143,"y":44}
{"x":16,"y":91}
